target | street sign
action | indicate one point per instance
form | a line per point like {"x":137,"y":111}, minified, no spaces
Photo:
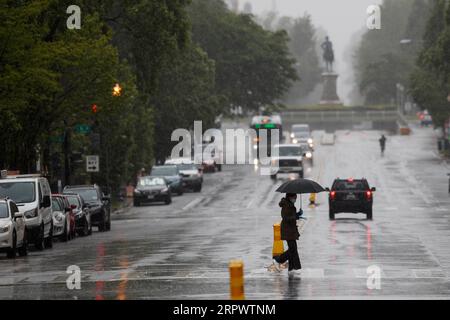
{"x":92,"y":164}
{"x":82,"y":128}
{"x":57,"y":139}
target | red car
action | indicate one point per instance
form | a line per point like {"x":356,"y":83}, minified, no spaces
{"x":70,"y":210}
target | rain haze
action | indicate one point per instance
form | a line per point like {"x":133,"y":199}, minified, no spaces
{"x":224,"y":150}
{"x":341,"y":19}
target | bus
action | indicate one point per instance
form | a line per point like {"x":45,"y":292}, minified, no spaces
{"x":268,"y":123}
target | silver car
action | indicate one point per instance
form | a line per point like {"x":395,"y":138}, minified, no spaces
{"x":13,"y":237}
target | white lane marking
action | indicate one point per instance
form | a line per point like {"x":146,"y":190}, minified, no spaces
{"x":193,"y":203}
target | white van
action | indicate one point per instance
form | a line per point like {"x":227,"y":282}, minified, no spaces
{"x":32,"y":195}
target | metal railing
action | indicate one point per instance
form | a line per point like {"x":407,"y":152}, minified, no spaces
{"x":351,"y":115}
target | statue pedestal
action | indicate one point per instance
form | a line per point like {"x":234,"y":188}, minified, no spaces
{"x":330,"y":96}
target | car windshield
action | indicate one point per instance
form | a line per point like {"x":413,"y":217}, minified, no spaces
{"x":187,"y":167}
{"x":73,"y":200}
{"x":350,"y":185}
{"x":3,"y":211}
{"x":149,"y":182}
{"x":165,"y":171}
{"x":56,"y":205}
{"x":88,"y":195}
{"x":19,"y":192}
{"x":290,"y":151}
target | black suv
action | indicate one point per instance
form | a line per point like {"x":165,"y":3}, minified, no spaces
{"x":98,"y":203}
{"x":351,"y":195}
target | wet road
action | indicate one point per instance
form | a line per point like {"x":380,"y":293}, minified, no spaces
{"x":182,"y":251}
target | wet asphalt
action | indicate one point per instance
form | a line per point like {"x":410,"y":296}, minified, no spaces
{"x":182,"y":251}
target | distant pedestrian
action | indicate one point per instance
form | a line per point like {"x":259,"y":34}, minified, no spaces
{"x":289,"y":231}
{"x":383,"y":143}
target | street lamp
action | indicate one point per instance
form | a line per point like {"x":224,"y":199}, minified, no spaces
{"x":117,"y":90}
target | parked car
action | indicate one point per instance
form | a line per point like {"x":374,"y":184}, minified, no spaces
{"x":62,"y":220}
{"x":72,"y":230}
{"x":152,"y":189}
{"x":192,"y":174}
{"x":97,"y":201}
{"x":172,"y":175}
{"x":350,"y":195}
{"x":82,"y":214}
{"x":210,"y":158}
{"x":13,"y":233}
{"x":289,"y":160}
{"x":32,"y":195}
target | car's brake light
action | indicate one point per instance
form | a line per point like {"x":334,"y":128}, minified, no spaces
{"x":350,"y":180}
{"x":333,"y":195}
{"x":369,"y":195}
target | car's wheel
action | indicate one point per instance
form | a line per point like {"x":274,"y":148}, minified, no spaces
{"x":65,"y":236}
{"x":11,"y":254}
{"x":369,"y":214}
{"x":331,"y":214}
{"x":301,"y":174}
{"x":273,"y":176}
{"x":48,"y":242}
{"x":180,"y":193}
{"x":85,"y":230}
{"x":198,"y":188}
{"x":23,"y":250}
{"x":168,"y":200}
{"x":39,"y":243}
{"x":89,"y":230}
{"x":219,"y":167}
{"x":136,"y":203}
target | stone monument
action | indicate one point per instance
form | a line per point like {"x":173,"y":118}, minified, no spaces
{"x":329,"y":78}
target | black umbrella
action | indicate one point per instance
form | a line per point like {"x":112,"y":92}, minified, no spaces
{"x":300,"y":186}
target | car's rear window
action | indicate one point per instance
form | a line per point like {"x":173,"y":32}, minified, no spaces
{"x":291,"y":151}
{"x":165,"y":171}
{"x":351,"y":185}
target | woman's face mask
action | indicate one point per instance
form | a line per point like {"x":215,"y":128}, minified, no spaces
{"x":293,"y":200}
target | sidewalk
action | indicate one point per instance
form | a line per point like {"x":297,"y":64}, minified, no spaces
{"x":122,"y":206}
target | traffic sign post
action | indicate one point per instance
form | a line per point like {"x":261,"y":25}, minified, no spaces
{"x":92,"y":164}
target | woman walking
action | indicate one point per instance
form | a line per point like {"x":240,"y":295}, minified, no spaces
{"x":289,"y":232}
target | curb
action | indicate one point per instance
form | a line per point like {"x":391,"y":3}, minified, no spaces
{"x":128,"y":204}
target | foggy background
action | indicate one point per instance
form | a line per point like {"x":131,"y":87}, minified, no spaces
{"x":344,"y":20}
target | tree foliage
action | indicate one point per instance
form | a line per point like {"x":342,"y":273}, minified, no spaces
{"x":430,"y":81}
{"x":253,"y":66}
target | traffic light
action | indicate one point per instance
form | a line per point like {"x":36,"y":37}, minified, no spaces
{"x":94,"y":108}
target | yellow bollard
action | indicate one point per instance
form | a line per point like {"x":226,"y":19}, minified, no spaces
{"x":312,"y":199}
{"x":278,"y":247}
{"x":237,"y":280}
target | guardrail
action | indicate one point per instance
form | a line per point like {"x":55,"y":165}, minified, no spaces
{"x":332,"y":116}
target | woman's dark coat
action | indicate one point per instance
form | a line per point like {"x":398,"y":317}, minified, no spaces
{"x":289,"y":230}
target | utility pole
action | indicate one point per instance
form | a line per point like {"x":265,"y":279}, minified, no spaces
{"x":66,"y":151}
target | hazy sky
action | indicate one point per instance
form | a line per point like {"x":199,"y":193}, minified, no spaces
{"x":341,"y":19}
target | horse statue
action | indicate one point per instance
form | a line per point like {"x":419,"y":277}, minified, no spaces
{"x":328,"y":54}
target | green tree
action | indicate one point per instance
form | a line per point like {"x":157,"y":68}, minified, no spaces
{"x":253,"y":66}
{"x":430,"y":82}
